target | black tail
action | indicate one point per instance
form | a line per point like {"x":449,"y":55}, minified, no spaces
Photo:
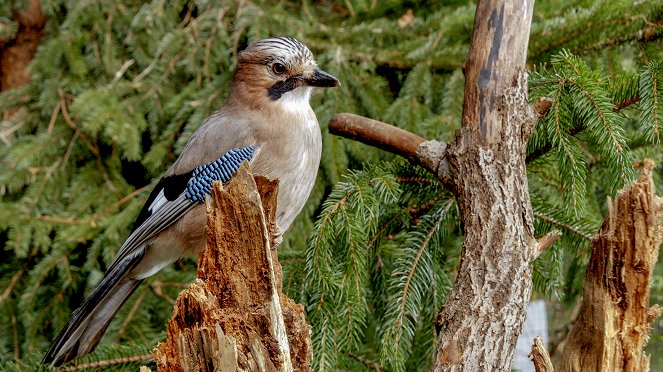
{"x":89,"y":322}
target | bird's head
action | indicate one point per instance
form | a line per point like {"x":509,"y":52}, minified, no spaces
{"x":280,"y":70}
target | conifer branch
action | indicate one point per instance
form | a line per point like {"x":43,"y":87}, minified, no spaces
{"x":562,"y":225}
{"x":367,"y":362}
{"x":17,"y":350}
{"x":72,"y":124}
{"x":532,"y":156}
{"x":92,"y":146}
{"x":132,"y":312}
{"x":402,"y":308}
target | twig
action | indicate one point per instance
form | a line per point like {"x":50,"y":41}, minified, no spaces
{"x":110,"y":362}
{"x":64,"y":220}
{"x":415,"y":180}
{"x":74,"y":126}
{"x":546,"y":241}
{"x":93,"y":221}
{"x":540,"y":357}
{"x":7,"y":132}
{"x":122,"y":70}
{"x":54,"y":117}
{"x":157,"y":289}
{"x":367,"y":362}
{"x":70,"y":148}
{"x":10,"y":287}
{"x":562,"y":225}
{"x":131,"y":314}
{"x":120,"y":202}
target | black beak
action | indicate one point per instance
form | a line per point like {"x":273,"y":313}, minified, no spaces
{"x":321,"y":79}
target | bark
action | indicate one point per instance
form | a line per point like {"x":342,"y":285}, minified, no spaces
{"x":540,"y":357}
{"x":614,"y":320}
{"x":483,"y":315}
{"x":235,"y":317}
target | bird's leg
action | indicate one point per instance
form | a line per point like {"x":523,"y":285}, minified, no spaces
{"x":277,"y":235}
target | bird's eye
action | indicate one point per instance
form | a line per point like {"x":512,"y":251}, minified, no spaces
{"x":278,"y":68}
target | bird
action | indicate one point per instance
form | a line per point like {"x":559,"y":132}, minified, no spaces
{"x":266,"y":120}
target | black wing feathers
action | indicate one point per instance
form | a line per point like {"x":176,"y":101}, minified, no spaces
{"x":80,"y":316}
{"x":172,"y":187}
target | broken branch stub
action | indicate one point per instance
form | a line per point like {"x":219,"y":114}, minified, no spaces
{"x":235,"y":317}
{"x":613,"y":324}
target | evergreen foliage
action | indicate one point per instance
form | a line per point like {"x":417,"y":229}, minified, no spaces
{"x":118,"y":88}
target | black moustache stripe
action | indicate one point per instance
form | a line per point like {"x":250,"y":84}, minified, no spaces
{"x":282,"y":87}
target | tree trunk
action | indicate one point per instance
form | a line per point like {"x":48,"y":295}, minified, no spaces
{"x":235,"y":317}
{"x":485,"y":168}
{"x":613,"y":324}
{"x":483,"y":315}
{"x":17,"y":52}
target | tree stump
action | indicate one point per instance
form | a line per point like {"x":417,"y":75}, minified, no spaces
{"x":613,"y":324}
{"x":235,"y":317}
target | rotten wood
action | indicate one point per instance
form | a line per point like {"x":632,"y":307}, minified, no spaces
{"x":540,"y":357}
{"x":235,"y":317}
{"x":615,"y":317}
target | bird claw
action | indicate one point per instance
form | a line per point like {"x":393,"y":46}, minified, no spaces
{"x":277,"y":235}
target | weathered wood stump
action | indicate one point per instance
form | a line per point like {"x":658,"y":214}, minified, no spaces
{"x":235,"y":317}
{"x":613,"y":325}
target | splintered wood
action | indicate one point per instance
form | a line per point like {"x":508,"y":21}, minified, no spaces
{"x":612,"y":329}
{"x":235,"y":317}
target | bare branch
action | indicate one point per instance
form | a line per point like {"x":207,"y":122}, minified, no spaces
{"x":429,"y":154}
{"x":546,"y":241}
{"x":376,"y":133}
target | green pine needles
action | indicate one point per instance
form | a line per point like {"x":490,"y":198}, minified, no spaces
{"x":118,"y":87}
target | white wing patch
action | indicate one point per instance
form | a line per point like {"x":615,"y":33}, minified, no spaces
{"x":158,"y":202}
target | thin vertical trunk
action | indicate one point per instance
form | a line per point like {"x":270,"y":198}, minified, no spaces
{"x":483,"y":315}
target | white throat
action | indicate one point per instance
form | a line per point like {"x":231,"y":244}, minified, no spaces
{"x":296,"y":100}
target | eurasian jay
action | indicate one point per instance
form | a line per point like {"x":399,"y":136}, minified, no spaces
{"x":266,"y":120}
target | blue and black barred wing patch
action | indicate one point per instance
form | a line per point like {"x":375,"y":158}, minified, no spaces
{"x":222,"y":170}
{"x":174,"y":196}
